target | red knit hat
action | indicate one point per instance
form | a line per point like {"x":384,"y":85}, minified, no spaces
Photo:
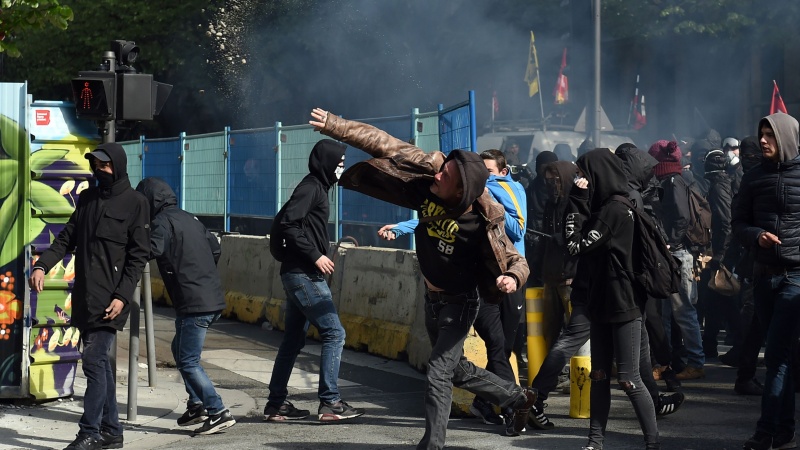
{"x":668,"y":155}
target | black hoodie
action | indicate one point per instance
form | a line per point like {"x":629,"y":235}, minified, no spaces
{"x":186,"y":252}
{"x":304,"y":218}
{"x":600,"y":230}
{"x":560,"y":264}
{"x":110,"y":235}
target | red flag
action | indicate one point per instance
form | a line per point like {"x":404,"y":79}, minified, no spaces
{"x":637,"y":110}
{"x":561,"y":91}
{"x":777,"y":100}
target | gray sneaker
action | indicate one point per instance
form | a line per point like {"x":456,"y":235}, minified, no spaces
{"x":337,"y":411}
{"x":287,"y":411}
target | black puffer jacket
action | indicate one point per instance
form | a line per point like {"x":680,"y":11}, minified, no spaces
{"x":186,"y":252}
{"x":720,"y":196}
{"x":769,"y":199}
{"x":110,"y":234}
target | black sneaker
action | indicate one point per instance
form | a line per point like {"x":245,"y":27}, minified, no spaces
{"x":108,"y":440}
{"x":216,"y":423}
{"x":668,"y":404}
{"x":759,"y":441}
{"x":730,"y":359}
{"x":337,"y":411}
{"x":287,"y":411}
{"x":671,"y":380}
{"x":748,"y":387}
{"x":485,"y":411}
{"x":192,"y":416}
{"x":84,"y":442}
{"x":537,"y":418}
{"x":784,"y":442}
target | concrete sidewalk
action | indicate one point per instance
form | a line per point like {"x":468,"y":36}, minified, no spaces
{"x":54,"y":424}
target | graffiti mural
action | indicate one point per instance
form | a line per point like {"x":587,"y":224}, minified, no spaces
{"x":40,"y":182}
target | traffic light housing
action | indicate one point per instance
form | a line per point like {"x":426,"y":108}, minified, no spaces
{"x":95,"y":94}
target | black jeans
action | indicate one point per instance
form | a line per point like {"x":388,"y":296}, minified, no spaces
{"x":572,"y":338}
{"x":490,"y":328}
{"x":100,"y":400}
{"x":623,"y":340}
{"x":658,"y":340}
{"x":753,"y":336}
{"x":447,"y":324}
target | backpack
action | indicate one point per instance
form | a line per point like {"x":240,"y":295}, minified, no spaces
{"x":655,"y":269}
{"x":699,"y":229}
{"x":277,"y":244}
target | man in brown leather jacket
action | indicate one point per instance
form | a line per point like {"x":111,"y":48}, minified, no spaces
{"x":463,"y":252}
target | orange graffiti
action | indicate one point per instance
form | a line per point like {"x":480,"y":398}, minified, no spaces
{"x":5,"y":333}
{"x":10,"y":308}
{"x":7,"y":281}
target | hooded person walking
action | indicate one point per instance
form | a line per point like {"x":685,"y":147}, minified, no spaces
{"x":600,"y":230}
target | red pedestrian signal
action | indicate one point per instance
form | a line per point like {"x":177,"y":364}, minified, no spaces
{"x":94,"y":95}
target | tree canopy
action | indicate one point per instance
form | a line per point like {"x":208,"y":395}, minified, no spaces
{"x":19,"y":16}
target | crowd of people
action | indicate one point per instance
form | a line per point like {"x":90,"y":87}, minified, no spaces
{"x":728,"y":213}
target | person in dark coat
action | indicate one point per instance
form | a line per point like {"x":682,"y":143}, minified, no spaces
{"x":537,"y":198}
{"x":765,"y":220}
{"x":110,"y":235}
{"x":719,"y":308}
{"x":187,"y":255}
{"x":601,"y":230}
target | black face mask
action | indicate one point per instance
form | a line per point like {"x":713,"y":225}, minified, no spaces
{"x":104,"y":178}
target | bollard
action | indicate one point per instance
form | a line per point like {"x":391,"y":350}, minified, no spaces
{"x":579,"y":386}
{"x":133,"y":355}
{"x":149,"y":329}
{"x":537,"y":347}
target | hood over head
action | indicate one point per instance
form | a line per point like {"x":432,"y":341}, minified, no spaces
{"x":638,"y":165}
{"x":563,"y":172}
{"x":585,"y":146}
{"x":750,"y":153}
{"x":605,"y":174}
{"x":786,"y":134}
{"x":116,"y":154}
{"x":473,"y":177}
{"x":544,"y":158}
{"x":324,"y":159}
{"x":158,"y":193}
{"x":716,"y":161}
{"x":564,"y":152}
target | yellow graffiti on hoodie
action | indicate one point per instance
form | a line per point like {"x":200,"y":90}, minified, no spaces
{"x":445,"y":229}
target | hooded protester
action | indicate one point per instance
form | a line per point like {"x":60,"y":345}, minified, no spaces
{"x":537,"y":198}
{"x":303,"y":226}
{"x":187,"y":255}
{"x":585,"y":146}
{"x":110,"y":235}
{"x":600,"y":230}
{"x":673,"y":209}
{"x":711,"y":140}
{"x":464,"y":255}
{"x":744,"y":352}
{"x":645,"y":192}
{"x":765,"y":220}
{"x":564,"y":152}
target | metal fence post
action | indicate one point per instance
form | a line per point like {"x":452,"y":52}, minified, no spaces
{"x":133,"y":354}
{"x":149,"y":331}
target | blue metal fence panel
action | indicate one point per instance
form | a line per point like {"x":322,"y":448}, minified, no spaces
{"x":162,"y":158}
{"x":252,"y":176}
{"x":133,"y":150}
{"x":359,"y":208}
{"x":204,"y":174}
{"x":295,"y":147}
{"x":427,"y":131}
{"x":455,"y":128}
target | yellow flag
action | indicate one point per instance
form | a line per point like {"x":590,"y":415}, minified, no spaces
{"x":532,"y":72}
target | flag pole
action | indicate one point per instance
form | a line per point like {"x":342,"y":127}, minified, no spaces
{"x":635,"y":99}
{"x":541,"y":103}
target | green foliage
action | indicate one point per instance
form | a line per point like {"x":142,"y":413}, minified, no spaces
{"x":17,"y":17}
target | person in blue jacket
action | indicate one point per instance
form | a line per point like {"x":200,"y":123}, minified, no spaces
{"x":496,"y":324}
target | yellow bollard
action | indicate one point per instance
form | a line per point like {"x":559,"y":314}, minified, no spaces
{"x":579,"y":386}
{"x":537,"y":347}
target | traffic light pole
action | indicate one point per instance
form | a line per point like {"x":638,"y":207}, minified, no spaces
{"x":108,"y":128}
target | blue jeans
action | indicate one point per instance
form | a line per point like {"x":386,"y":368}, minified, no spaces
{"x":187,"y":345}
{"x":777,"y":304}
{"x":681,"y":305}
{"x":100,"y":400}
{"x":447,"y":325}
{"x":308,"y":301}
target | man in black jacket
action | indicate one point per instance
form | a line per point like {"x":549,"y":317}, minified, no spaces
{"x":304,"y":224}
{"x":110,"y":235}
{"x":765,"y":220}
{"x":187,"y":256}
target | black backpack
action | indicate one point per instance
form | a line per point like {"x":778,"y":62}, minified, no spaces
{"x":655,"y":269}
{"x":699,"y":229}
{"x":277,"y":244}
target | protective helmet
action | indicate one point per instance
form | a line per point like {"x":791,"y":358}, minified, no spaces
{"x":730,"y":142}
